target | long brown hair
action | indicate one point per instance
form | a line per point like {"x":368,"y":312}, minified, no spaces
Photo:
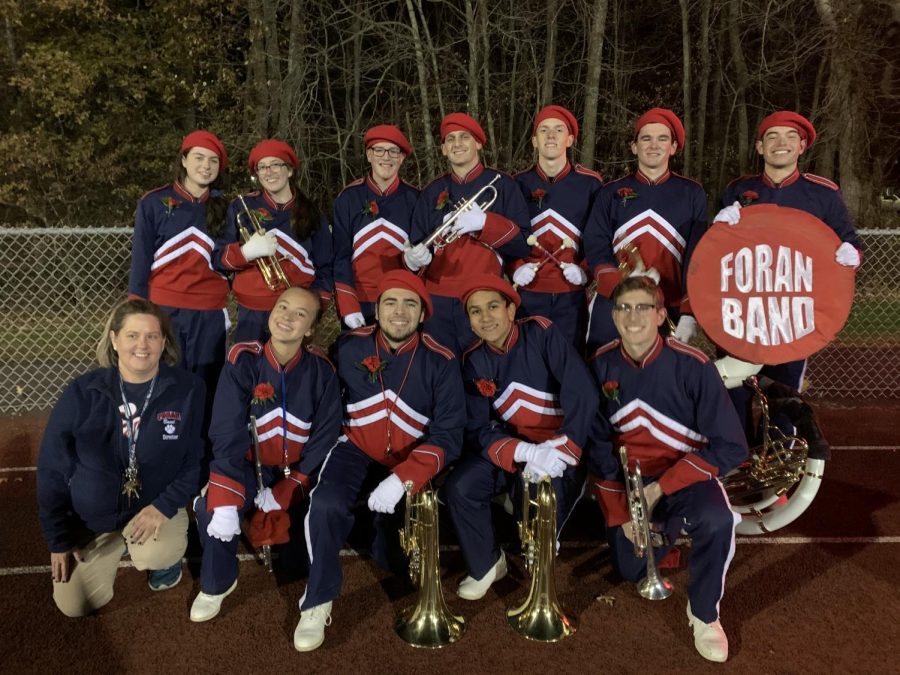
{"x":216,"y":205}
{"x":107,"y":357}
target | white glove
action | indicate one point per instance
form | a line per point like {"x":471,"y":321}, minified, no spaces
{"x":417,"y":257}
{"x":686,"y":328}
{"x":355,"y":320}
{"x":260,"y":246}
{"x":730,"y":214}
{"x":847,"y":255}
{"x":644,"y":272}
{"x":265,"y":501}
{"x":574,"y":274}
{"x":471,"y":220}
{"x":385,"y":497}
{"x":525,"y":274}
{"x":544,"y":459}
{"x":734,"y":371}
{"x":224,"y":524}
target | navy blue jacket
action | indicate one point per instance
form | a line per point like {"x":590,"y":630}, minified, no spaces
{"x":84,"y":454}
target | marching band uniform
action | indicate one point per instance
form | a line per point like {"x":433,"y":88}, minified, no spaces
{"x":403,"y":414}
{"x":83,"y":457}
{"x":297,"y":420}
{"x":307,"y":263}
{"x":663,"y":218}
{"x":535,"y":388}
{"x":559,"y":208}
{"x":671,"y":411}
{"x":171,"y":265}
{"x":502,"y":238}
{"x":369,"y":240}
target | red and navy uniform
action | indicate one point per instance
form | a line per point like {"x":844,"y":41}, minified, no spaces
{"x":172,"y":266}
{"x":84,"y":454}
{"x":807,"y":192}
{"x":500,"y":242}
{"x":559,"y":208}
{"x":664,"y":219}
{"x":306,"y":263}
{"x":671,"y":411}
{"x":405,"y":416}
{"x":369,"y":240}
{"x":297,"y":426}
{"x":535,"y":388}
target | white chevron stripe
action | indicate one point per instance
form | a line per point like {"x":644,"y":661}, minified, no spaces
{"x":180,"y":251}
{"x":657,"y":417}
{"x":381,"y":236}
{"x":181,"y":236}
{"x":524,"y":388}
{"x":568,"y":227}
{"x":390,"y":396}
{"x":278,"y":413}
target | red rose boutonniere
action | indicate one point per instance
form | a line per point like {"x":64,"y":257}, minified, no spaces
{"x":371,"y":209}
{"x":486,"y":388}
{"x":748,"y":197}
{"x":170,"y":203}
{"x":371,"y":365}
{"x":538,"y":196}
{"x":263,"y":393}
{"x":626,"y":193}
{"x":442,"y":200}
{"x":263,"y":215}
{"x":611,"y":390}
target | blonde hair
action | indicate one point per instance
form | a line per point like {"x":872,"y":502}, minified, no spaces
{"x":107,"y":357}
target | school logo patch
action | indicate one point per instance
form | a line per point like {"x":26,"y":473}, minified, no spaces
{"x":169,"y":420}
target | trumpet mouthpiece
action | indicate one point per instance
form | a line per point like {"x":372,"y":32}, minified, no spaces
{"x":532,"y":240}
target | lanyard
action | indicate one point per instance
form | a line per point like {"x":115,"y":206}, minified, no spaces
{"x":131,"y":484}
{"x":390,"y":406}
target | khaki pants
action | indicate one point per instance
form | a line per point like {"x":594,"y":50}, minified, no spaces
{"x":90,"y":584}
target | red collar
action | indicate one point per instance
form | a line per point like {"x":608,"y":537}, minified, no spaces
{"x":793,"y":178}
{"x":373,"y":186}
{"x":407,"y":346}
{"x":469,"y":177}
{"x":273,"y":360}
{"x":649,"y":357}
{"x":509,"y":342}
{"x":647,"y":181}
{"x":276,"y":206}
{"x":566,"y":170}
{"x":182,"y":192}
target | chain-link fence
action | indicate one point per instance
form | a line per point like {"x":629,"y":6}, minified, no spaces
{"x":58,"y":285}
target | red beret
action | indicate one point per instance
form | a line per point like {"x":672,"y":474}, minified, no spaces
{"x":462,"y":122}
{"x":208,"y":140}
{"x":559,"y":113}
{"x":409,"y":281}
{"x":272,"y":148}
{"x":490,"y":282}
{"x":662,"y":116}
{"x":389,"y":133}
{"x":786,"y":118}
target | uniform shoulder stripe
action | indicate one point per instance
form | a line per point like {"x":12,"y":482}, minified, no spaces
{"x":584,"y":171}
{"x":608,"y":347}
{"x":410,"y":185}
{"x":437,"y":347}
{"x":737,"y":180}
{"x":161,"y":187}
{"x":821,"y":180}
{"x":689,"y":180}
{"x":541,"y":321}
{"x":496,"y":170}
{"x":356,"y":183}
{"x":440,"y":178}
{"x":617,"y":180}
{"x":239,"y":348}
{"x":315,"y":351}
{"x":363,"y":330}
{"x":686,"y":349}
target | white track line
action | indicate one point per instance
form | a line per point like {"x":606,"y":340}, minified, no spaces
{"x":572,"y":545}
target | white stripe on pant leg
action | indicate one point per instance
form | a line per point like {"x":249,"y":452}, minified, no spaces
{"x":736,"y":517}
{"x":312,"y":492}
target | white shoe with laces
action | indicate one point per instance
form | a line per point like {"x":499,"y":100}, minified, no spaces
{"x":709,"y":638}
{"x":474,"y":589}
{"x":207,"y":606}
{"x":310,"y":631}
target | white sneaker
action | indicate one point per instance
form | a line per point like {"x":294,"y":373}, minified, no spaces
{"x":207,"y":606}
{"x":709,"y":638}
{"x":310,"y":631}
{"x":474,"y":589}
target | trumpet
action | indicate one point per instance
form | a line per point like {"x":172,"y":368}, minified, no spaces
{"x":442,"y":236}
{"x":269,"y":266}
{"x":540,"y":617}
{"x":257,"y":465}
{"x":428,"y":623}
{"x":653,"y":587}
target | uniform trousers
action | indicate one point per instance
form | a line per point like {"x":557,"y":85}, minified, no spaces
{"x":90,"y":584}
{"x":449,"y":324}
{"x":252,"y":325}
{"x":470,"y":488}
{"x":703,"y":512}
{"x":567,"y":311}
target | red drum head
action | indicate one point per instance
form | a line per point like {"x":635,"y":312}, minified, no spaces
{"x":768,"y":290}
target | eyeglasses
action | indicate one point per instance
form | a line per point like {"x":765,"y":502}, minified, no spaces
{"x":393,"y":153}
{"x":274,"y":167}
{"x":641,"y":309}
